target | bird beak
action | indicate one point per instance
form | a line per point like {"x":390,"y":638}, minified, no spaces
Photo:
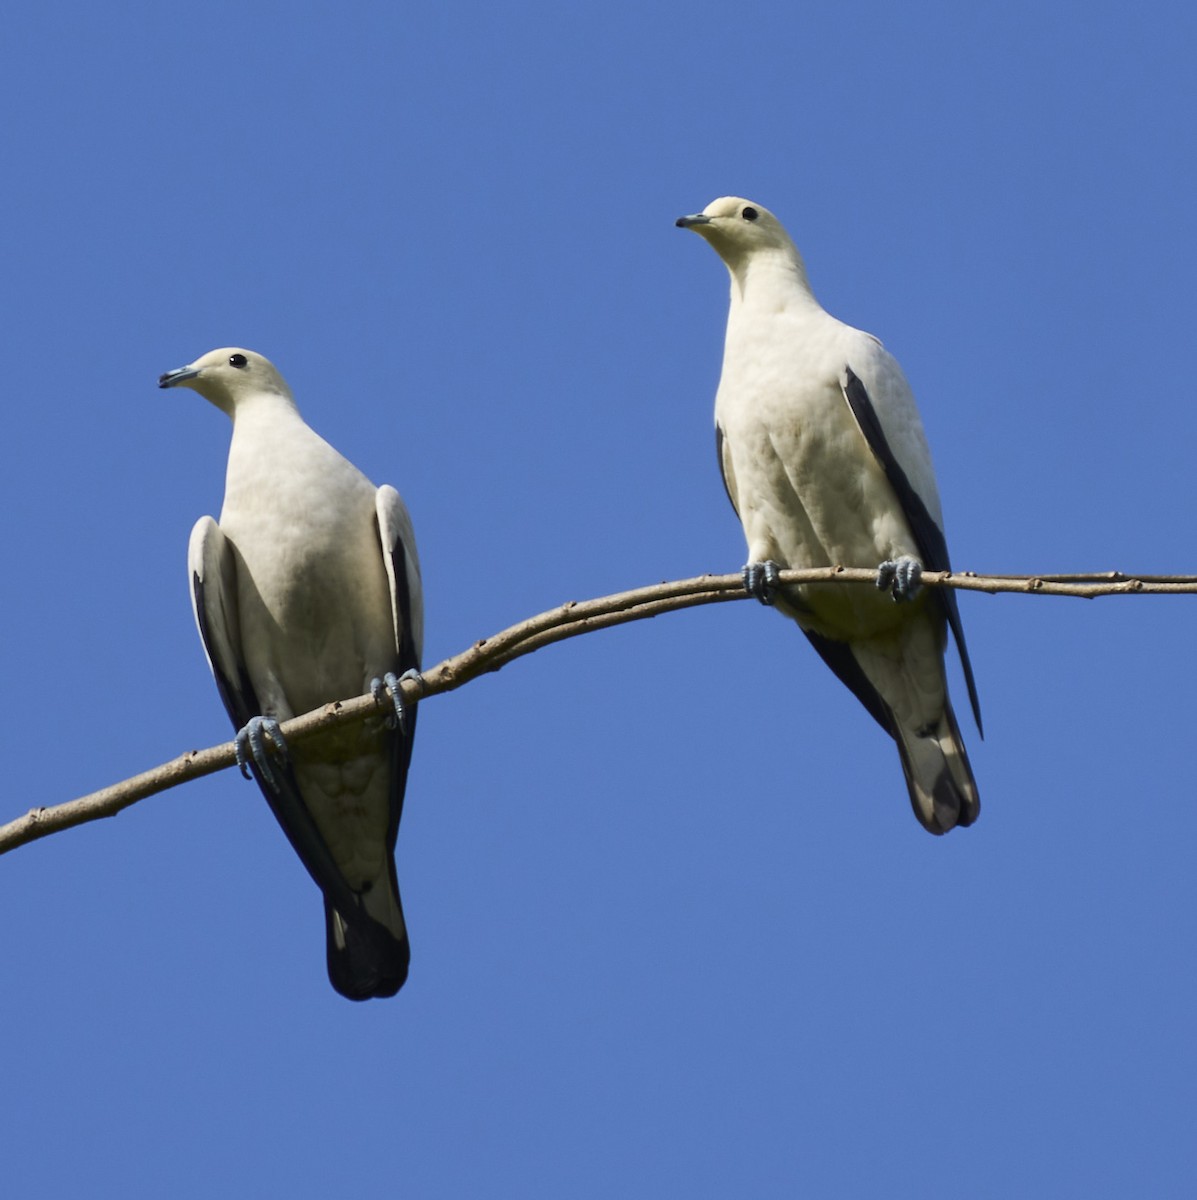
{"x":178,"y":375}
{"x":692,"y":220}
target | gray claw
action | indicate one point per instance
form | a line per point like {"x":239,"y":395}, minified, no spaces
{"x":901,"y":577}
{"x":251,"y":742}
{"x":380,"y":688}
{"x":761,"y":579}
{"x":389,"y":683}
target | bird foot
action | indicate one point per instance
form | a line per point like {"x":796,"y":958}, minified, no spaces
{"x":901,"y":577}
{"x":254,"y":740}
{"x":761,"y":579}
{"x":388,"y":685}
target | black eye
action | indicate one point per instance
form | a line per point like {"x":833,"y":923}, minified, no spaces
{"x":749,"y":213}
{"x":238,"y":361}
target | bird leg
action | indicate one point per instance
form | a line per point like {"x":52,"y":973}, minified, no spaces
{"x":389,"y":685}
{"x":761,"y":580}
{"x":251,"y":742}
{"x":901,"y":577}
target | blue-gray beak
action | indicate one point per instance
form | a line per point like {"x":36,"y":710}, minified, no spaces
{"x":694,"y":219}
{"x":178,"y":375}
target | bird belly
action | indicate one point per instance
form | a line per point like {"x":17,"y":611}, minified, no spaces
{"x":316,"y":618}
{"x":810,"y":494}
{"x":350,"y":801}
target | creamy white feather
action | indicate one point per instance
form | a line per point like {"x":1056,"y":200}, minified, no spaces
{"x":306,"y":591}
{"x":814,"y":487}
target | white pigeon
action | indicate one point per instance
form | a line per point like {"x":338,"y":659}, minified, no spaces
{"x":308,"y":591}
{"x":825,"y":462}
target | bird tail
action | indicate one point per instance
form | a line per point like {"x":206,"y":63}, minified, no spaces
{"x":943,"y":792}
{"x":368,"y":952}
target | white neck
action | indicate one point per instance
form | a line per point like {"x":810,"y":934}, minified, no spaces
{"x":771,"y":278}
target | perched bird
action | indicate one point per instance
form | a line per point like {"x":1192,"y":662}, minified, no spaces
{"x":825,"y":461}
{"x":308,"y":591}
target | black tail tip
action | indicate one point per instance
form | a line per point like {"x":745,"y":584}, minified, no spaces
{"x":376,"y":979}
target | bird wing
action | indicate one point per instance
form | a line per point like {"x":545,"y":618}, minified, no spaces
{"x":726,"y":470}
{"x":928,"y":536}
{"x":398,"y":543}
{"x":213,"y":569}
{"x":403,"y":574}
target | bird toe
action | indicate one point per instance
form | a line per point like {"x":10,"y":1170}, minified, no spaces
{"x":388,"y":685}
{"x":256,"y":740}
{"x":761,"y":580}
{"x":901,"y":577}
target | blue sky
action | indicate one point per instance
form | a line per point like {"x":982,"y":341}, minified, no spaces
{"x":675,"y":931}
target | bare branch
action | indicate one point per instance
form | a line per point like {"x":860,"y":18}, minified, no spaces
{"x":568,"y":620}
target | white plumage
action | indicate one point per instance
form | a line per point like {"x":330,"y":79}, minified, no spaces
{"x":308,"y":591}
{"x":825,"y":461}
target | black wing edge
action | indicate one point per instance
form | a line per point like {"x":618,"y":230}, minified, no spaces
{"x":928,"y":536}
{"x":382,"y":949}
{"x":241,"y":703}
{"x":408,"y":660}
{"x":723,"y":473}
{"x":839,"y":657}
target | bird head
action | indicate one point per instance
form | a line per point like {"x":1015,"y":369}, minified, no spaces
{"x":746,"y":236}
{"x":227,"y":376}
{"x":736,"y":227}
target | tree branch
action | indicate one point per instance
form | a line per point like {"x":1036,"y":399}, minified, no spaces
{"x":568,"y":620}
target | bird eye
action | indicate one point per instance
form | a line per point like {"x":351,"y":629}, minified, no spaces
{"x":749,"y":213}
{"x":238,"y":361}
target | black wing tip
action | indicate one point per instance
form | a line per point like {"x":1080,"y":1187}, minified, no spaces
{"x":951,"y":609}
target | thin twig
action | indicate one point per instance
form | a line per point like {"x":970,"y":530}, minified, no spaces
{"x":566,"y":621}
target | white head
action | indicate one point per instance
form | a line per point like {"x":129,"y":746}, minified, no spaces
{"x":227,"y":376}
{"x":740,"y":230}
